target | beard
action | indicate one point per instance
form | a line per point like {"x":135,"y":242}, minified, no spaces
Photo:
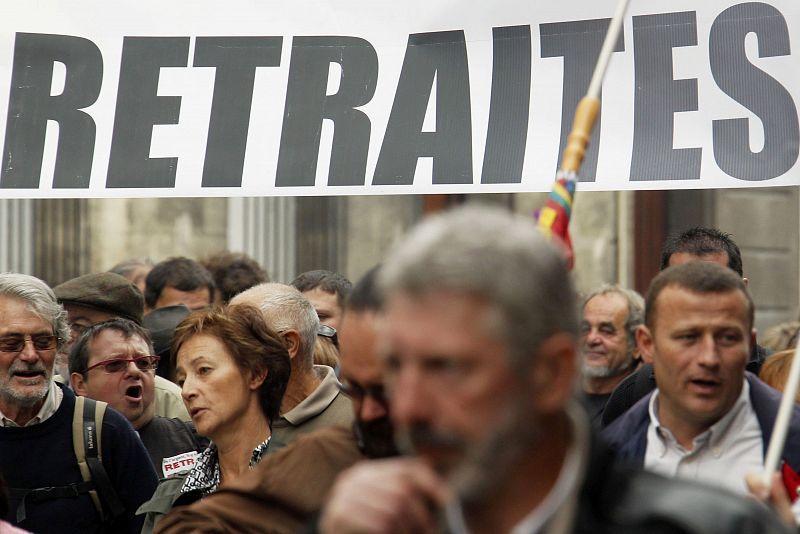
{"x":606,"y":371}
{"x":480,"y":467}
{"x":28,"y":396}
{"x":376,"y":438}
{"x":489,"y":463}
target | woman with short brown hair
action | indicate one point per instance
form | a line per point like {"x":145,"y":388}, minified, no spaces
{"x":233,"y":371}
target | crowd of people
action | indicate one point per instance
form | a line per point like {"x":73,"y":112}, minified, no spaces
{"x":461,"y":385}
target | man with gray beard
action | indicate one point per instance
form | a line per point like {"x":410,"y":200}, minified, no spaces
{"x":611,"y":315}
{"x":480,"y":361}
{"x":48,"y":492}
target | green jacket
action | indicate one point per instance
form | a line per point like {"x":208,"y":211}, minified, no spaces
{"x":163,"y":500}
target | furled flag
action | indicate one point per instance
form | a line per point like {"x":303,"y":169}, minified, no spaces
{"x":553,"y":219}
{"x":554,"y":216}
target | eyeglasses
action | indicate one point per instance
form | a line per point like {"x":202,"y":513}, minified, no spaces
{"x":358,"y":392}
{"x":116,"y":365}
{"x":329,"y":332}
{"x":16,"y":342}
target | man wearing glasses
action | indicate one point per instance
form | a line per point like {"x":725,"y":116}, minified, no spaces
{"x":114,"y":362}
{"x":96,"y":297}
{"x":36,"y":418}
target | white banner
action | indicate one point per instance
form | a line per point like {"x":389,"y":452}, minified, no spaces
{"x":265,"y":98}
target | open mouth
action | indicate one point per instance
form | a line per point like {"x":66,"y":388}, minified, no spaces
{"x":134,"y":392}
{"x":28,"y":374}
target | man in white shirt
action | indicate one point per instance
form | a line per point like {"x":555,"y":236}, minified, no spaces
{"x":708,"y":420}
{"x":480,"y":362}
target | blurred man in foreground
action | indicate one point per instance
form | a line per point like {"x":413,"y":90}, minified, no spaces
{"x":481,"y":362}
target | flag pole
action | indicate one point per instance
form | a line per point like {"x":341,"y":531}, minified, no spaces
{"x":589,"y":106}
{"x":553,"y":219}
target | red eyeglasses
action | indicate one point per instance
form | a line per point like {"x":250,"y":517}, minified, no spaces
{"x":116,"y":365}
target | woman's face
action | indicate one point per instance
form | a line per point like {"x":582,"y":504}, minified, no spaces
{"x":216,"y":391}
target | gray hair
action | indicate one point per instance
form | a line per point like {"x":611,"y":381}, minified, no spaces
{"x":40,"y":299}
{"x":495,"y":255}
{"x":635,"y":308}
{"x":285,"y":308}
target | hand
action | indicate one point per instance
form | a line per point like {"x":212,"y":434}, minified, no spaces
{"x":397,"y":495}
{"x":775,"y":496}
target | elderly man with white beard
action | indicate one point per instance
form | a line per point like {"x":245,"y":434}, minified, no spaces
{"x":48,"y":492}
{"x":611,"y":315}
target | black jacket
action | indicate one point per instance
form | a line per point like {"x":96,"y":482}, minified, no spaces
{"x":617,"y":498}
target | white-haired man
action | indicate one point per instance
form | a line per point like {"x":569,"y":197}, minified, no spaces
{"x":312,"y":399}
{"x":48,"y":491}
{"x":611,"y":315}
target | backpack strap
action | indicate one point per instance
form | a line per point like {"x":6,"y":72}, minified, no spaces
{"x":35,"y":495}
{"x":87,"y":425}
{"x":80,"y":449}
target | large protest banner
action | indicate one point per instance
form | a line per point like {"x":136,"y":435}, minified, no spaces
{"x":324,"y":97}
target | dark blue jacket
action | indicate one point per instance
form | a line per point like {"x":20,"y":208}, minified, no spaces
{"x":42,"y":455}
{"x":627,"y":435}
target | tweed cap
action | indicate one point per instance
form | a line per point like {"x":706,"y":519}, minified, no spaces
{"x":106,"y":292}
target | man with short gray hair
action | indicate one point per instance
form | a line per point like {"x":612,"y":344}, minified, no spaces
{"x":312,"y":399}
{"x":48,"y":492}
{"x":611,"y":315}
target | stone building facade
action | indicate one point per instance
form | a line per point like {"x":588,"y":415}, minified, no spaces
{"x":616,"y":235}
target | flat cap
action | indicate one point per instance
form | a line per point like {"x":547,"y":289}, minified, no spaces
{"x":106,"y":292}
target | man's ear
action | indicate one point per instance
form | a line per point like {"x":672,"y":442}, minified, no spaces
{"x":552,"y":374}
{"x":291,"y":339}
{"x":78,"y":384}
{"x":644,"y":340}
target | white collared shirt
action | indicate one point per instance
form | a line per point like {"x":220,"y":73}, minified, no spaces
{"x":720,"y":456}
{"x":52,"y":401}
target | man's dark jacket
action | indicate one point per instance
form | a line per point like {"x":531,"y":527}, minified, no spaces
{"x":628,"y":434}
{"x":617,"y":498}
{"x":42,"y":456}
